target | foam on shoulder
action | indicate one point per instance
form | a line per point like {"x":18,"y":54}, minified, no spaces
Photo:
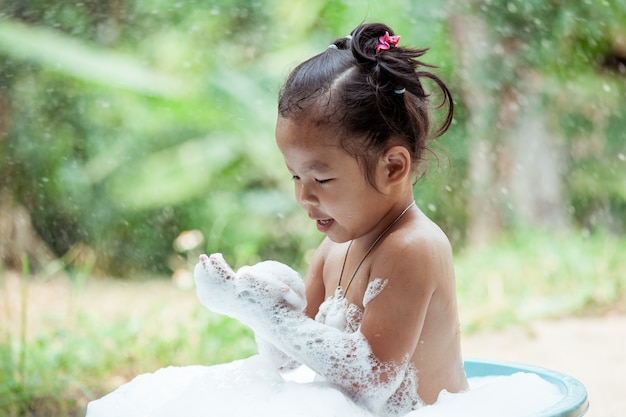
{"x":374,"y":288}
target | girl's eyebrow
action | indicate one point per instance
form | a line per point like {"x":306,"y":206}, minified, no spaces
{"x":317,"y":166}
{"x":314,"y":166}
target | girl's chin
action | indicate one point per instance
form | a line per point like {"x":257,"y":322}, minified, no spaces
{"x":337,"y":238}
{"x":329,"y":228}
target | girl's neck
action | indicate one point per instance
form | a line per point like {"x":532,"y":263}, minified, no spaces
{"x":395,"y":214}
{"x":344,"y":286}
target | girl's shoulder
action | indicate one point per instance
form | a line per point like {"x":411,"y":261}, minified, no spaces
{"x":420,"y":234}
{"x":323,"y":249}
{"x":420,"y":246}
{"x":326,"y":249}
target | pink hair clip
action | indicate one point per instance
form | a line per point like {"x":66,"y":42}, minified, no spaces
{"x":386,"y":42}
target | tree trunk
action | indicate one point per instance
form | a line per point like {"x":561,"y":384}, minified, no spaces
{"x":515,"y":168}
{"x":17,"y":236}
{"x":470,"y":40}
{"x":536,"y":182}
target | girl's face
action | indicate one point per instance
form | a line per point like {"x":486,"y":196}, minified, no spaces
{"x":329,"y":184}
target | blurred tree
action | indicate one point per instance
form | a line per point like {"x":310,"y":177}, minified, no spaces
{"x":525,"y":64}
{"x":124,"y":122}
{"x":131,"y":121}
{"x":107,"y":149}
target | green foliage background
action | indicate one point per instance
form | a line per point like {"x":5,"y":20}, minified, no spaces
{"x":128,"y":122}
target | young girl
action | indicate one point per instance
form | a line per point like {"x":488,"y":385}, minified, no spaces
{"x":353,"y":126}
{"x":378,"y":320}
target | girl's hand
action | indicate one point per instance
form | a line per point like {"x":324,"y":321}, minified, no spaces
{"x":259,"y":288}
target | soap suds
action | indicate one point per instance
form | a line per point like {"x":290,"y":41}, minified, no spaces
{"x":341,"y":377}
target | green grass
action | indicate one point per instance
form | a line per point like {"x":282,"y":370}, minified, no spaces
{"x":71,"y":358}
{"x":533,"y":275}
{"x":81,"y":355}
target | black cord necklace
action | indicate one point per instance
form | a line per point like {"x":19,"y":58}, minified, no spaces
{"x":371,"y":248}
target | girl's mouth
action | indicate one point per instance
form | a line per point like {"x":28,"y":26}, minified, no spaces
{"x":324,"y":224}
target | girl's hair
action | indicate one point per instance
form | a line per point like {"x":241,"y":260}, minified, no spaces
{"x":369,"y":98}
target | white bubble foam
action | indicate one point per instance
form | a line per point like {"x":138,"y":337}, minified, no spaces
{"x":253,"y":387}
{"x":518,"y":395}
{"x":373,"y":289}
{"x":349,"y":380}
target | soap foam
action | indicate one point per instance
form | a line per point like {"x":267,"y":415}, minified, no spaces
{"x":519,"y":395}
{"x":253,"y":387}
{"x":342,"y":376}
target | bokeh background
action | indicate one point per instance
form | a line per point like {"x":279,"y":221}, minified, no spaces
{"x":136,"y":134}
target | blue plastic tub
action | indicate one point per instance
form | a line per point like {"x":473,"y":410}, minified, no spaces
{"x":574,"y":402}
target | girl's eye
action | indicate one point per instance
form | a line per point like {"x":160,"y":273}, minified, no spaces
{"x":320,"y":182}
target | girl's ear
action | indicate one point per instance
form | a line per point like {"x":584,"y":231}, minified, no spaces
{"x":397,"y":162}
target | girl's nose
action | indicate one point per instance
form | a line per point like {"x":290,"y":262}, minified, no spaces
{"x":305,"y":195}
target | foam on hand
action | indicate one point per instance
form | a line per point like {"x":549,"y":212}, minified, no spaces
{"x":223,"y":291}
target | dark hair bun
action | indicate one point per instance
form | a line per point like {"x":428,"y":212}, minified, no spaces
{"x":368,"y":94}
